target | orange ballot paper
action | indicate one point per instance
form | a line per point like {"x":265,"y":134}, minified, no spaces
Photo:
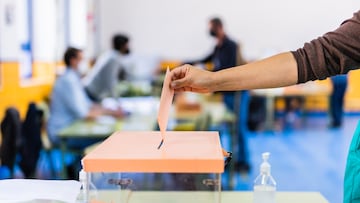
{"x":167,"y":95}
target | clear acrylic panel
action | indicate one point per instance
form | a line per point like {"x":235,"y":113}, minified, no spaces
{"x":154,"y":187}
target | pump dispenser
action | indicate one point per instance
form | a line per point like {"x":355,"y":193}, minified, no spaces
{"x":264,"y":184}
{"x":87,"y":190}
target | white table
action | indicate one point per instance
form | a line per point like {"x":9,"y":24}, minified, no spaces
{"x":199,"y":197}
{"x":307,"y":89}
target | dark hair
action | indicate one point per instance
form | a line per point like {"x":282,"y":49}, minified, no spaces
{"x":119,"y":41}
{"x":70,"y":53}
{"x":216,"y":22}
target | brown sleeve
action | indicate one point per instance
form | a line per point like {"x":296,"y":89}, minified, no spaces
{"x":336,"y":52}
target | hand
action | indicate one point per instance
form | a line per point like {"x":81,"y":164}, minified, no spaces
{"x":116,"y":113}
{"x":119,"y":113}
{"x":190,"y":78}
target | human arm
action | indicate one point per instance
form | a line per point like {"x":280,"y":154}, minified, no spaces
{"x":71,"y":96}
{"x":206,"y":59}
{"x":98,"y":110}
{"x":335,"y":53}
{"x":260,"y":74}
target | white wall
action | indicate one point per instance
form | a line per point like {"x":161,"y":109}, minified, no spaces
{"x":77,"y":23}
{"x":44,"y":30}
{"x":14,"y":35}
{"x":178,"y":29}
{"x":9,"y":43}
{"x":71,"y":26}
{"x":24,"y":38}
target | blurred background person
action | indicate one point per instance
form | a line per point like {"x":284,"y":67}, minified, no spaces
{"x":293,"y":112}
{"x":227,"y":54}
{"x":69,"y":102}
{"x":336,"y":106}
{"x":108,"y":69}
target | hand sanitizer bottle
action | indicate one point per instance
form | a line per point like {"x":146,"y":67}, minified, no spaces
{"x":88,"y":190}
{"x":264,"y":184}
{"x":83,"y":196}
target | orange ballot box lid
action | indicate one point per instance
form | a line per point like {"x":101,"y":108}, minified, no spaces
{"x":182,"y":152}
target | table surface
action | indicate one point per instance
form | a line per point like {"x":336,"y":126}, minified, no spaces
{"x":199,"y":197}
{"x":93,"y":128}
{"x":142,"y":117}
{"x":312,"y":88}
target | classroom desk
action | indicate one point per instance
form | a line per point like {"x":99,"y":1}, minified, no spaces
{"x":142,"y":117}
{"x":90,"y":128}
{"x":199,"y":197}
{"x":303,"y":90}
{"x":191,"y":108}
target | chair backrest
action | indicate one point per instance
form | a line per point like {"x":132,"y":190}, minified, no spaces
{"x":352,"y":172}
{"x":31,"y":140}
{"x":11,"y":132}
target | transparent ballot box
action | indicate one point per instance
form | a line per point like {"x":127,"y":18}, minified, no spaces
{"x":129,"y":167}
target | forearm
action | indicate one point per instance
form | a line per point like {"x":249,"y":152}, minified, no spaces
{"x":276,"y":71}
{"x":94,"y":112}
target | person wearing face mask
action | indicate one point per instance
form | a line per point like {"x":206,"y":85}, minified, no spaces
{"x":101,"y":80}
{"x":226,"y":54}
{"x":69,"y":102}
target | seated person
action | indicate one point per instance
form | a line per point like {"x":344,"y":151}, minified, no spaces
{"x":69,"y":102}
{"x":100,"y":82}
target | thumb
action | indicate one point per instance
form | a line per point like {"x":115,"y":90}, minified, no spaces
{"x":180,"y":83}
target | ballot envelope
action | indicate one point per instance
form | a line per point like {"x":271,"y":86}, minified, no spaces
{"x":129,"y":167}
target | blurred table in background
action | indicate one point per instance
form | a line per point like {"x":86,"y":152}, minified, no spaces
{"x":195,"y":108}
{"x":142,"y":117}
{"x":301,"y":90}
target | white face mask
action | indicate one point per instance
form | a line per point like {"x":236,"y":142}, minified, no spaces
{"x":83,"y":67}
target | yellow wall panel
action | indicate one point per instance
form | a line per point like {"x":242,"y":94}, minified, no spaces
{"x":43,"y":70}
{"x":19,"y":93}
{"x":352,"y":97}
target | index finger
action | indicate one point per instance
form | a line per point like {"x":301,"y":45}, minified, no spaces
{"x":179,"y":72}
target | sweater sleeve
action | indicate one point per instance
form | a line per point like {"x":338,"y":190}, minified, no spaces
{"x":334,"y":53}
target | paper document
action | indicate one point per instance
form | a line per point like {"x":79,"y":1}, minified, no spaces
{"x":167,"y":95}
{"x":25,"y":190}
